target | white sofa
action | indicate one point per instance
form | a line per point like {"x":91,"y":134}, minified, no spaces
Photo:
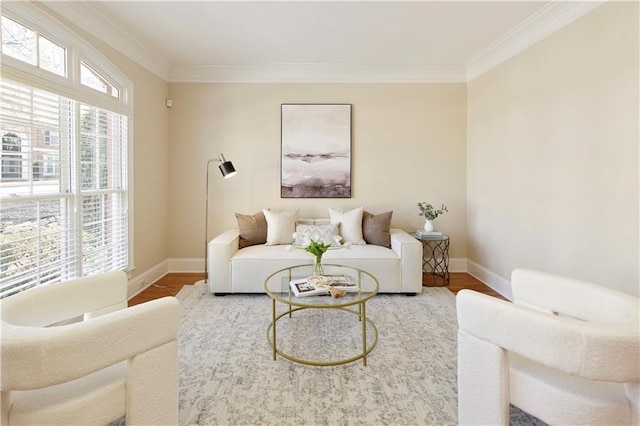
{"x":234,"y":270}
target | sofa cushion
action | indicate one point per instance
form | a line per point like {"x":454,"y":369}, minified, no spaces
{"x":251,"y":266}
{"x":359,"y":252}
{"x":350,"y":224}
{"x":375,"y":228}
{"x":233,"y":270}
{"x":253,"y":229}
{"x":280,"y":226}
{"x":266,"y":252}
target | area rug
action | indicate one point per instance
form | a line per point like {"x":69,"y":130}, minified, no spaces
{"x":228,"y":375}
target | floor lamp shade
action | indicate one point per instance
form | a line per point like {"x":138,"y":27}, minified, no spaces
{"x":227,"y":170}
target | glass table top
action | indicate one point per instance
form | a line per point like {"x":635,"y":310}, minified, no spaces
{"x":365,"y":286}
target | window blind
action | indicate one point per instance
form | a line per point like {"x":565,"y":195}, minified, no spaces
{"x":63,"y":188}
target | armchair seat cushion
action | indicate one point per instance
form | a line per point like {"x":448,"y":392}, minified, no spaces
{"x":535,"y":388}
{"x":98,"y":398}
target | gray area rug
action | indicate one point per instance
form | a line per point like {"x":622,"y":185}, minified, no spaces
{"x":228,"y":376}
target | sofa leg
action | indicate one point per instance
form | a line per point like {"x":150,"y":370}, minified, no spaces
{"x":220,"y":294}
{"x":410,"y":294}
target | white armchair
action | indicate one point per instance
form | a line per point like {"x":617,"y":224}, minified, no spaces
{"x":117,"y":362}
{"x":567,"y":352}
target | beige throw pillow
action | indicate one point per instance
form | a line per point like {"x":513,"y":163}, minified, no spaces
{"x":253,"y":229}
{"x":350,"y":225}
{"x":280,"y":226}
{"x":375,"y":228}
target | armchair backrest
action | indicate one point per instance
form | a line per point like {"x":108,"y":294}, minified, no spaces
{"x":567,"y":344}
{"x":574,"y":298}
{"x":48,"y":304}
{"x":35,"y":355}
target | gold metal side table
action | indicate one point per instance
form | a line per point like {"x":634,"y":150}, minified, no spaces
{"x":435,"y":258}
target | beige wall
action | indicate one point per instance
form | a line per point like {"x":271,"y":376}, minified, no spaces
{"x":408,"y":145}
{"x":150,"y":159}
{"x":552,"y":172}
{"x":546,"y":178}
{"x":151,"y":170}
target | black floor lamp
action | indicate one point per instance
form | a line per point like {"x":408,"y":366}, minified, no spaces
{"x":227,"y":170}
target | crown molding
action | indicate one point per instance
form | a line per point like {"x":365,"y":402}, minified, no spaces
{"x":547,"y":20}
{"x":91,"y":19}
{"x":318,"y":73}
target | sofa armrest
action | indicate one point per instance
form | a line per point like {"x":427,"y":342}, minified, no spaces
{"x":409,"y":250}
{"x":220,"y":251}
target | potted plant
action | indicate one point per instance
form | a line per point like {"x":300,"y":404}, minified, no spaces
{"x":430,"y":214}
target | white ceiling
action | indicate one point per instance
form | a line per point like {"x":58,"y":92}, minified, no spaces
{"x":319,"y":40}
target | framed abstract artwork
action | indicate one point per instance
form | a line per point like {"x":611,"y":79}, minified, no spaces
{"x":316,"y":151}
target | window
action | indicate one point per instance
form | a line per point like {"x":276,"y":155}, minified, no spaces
{"x":93,"y":79}
{"x":51,"y":138}
{"x":11,"y":160}
{"x":18,"y":41}
{"x":52,"y":57}
{"x":64,"y":196}
{"x":28,"y":46}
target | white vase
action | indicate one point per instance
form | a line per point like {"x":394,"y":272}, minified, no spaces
{"x":428,"y":225}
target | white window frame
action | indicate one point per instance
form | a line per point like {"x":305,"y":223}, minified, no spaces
{"x":39,"y":18}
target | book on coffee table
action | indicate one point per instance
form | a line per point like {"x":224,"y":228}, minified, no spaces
{"x":321,"y":284}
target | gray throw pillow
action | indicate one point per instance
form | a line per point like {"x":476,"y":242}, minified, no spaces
{"x":253,"y":229}
{"x":375,"y":228}
{"x":324,"y":233}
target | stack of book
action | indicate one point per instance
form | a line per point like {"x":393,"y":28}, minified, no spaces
{"x":317,"y":285}
{"x":421,"y":233}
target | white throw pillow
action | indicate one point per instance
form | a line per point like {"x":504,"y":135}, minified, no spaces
{"x":324,"y":233}
{"x":350,"y":225}
{"x":280,"y":226}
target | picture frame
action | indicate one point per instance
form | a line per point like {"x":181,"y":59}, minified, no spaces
{"x":315,"y":151}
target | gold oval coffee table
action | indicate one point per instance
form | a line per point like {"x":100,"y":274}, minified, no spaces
{"x":278,"y":288}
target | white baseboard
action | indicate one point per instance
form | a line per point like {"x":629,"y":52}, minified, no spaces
{"x":196,"y":265}
{"x":490,"y":278}
{"x":186,"y":265}
{"x":148,"y":277}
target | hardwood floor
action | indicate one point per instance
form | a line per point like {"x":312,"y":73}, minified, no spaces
{"x":171,"y":284}
{"x":461,"y":280}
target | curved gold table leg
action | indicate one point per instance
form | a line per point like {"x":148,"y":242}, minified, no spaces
{"x":273,"y":321}
{"x":361,"y":313}
{"x":363,"y":319}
